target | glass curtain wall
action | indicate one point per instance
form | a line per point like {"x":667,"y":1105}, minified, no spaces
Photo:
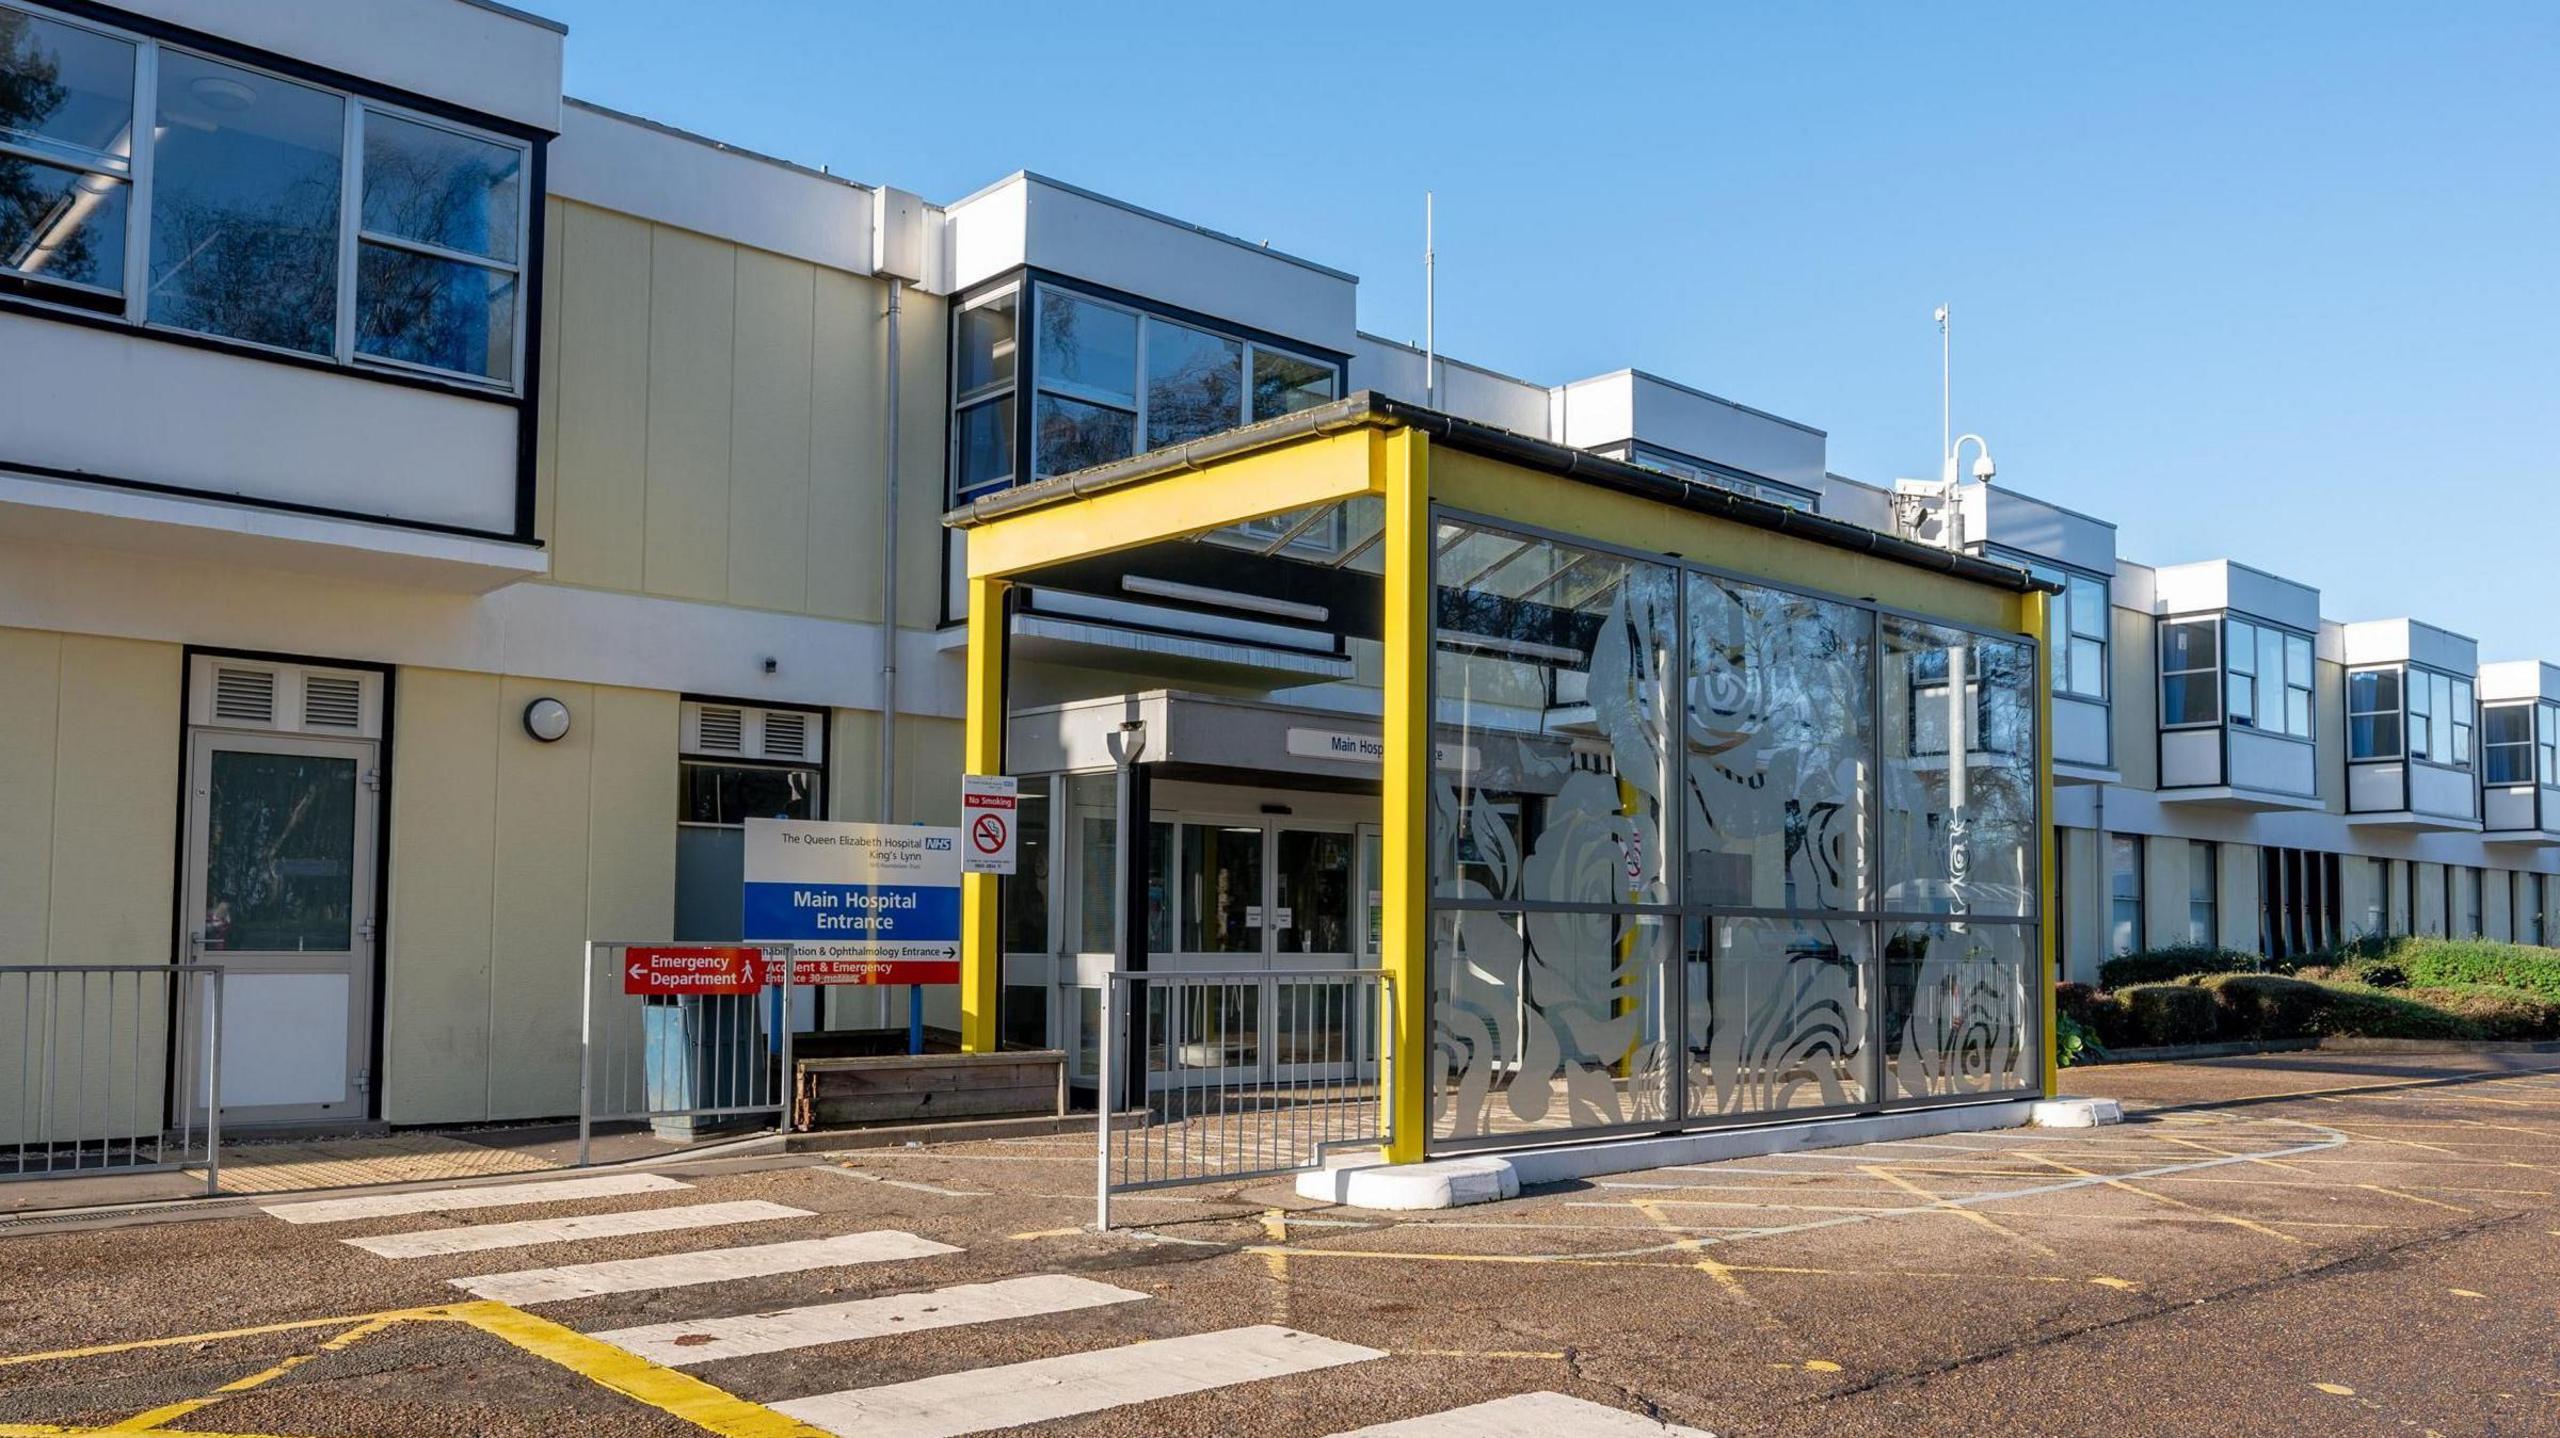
{"x":1699,"y":850}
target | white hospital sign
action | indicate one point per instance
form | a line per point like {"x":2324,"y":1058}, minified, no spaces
{"x":989,"y":804}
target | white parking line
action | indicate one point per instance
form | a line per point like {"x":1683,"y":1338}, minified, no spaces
{"x":679,"y":1344}
{"x":1044,"y":1388}
{"x":1529,"y":1415}
{"x":560,"y":1230}
{"x":711,"y":1265}
{"x":450,"y":1200}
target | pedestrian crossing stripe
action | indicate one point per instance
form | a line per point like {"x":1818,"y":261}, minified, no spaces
{"x":1013,"y":1394}
{"x":681,"y":1345}
{"x":476,"y":1237}
{"x":452,"y":1200}
{"x":686,"y":1270}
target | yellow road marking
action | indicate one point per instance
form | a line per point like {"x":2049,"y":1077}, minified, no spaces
{"x":1480,"y":1353}
{"x":1975,"y":1276}
{"x":1971,"y":1213}
{"x":680,"y":1395}
{"x":1696,"y":1248}
{"x":218,"y":1335}
{"x":2234,"y":1219}
{"x":2413,"y":1198}
{"x":170,"y":1413}
{"x":1043,"y":1233}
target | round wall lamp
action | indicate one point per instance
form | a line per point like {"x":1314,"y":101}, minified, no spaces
{"x":547,"y":720}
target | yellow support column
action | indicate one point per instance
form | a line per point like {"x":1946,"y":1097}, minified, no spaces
{"x":1404,"y":868}
{"x":981,"y":937}
{"x":2035,"y":610}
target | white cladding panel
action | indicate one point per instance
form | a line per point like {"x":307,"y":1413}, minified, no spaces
{"x":2190,"y":758}
{"x":1696,"y":423}
{"x":2079,"y":732}
{"x":2222,"y":584}
{"x":2449,"y":793}
{"x":1595,"y":412}
{"x":2006,"y":517}
{"x":621,"y":163}
{"x":1846,"y":498}
{"x":2509,"y":809}
{"x":1467,"y":391}
{"x":466,"y":55}
{"x":2137,"y":587}
{"x":1091,"y":238}
{"x":2443,"y":649}
{"x":2520,"y":679}
{"x":2272,"y":765}
{"x":2373,"y":788}
{"x":984,"y":234}
{"x":124,"y":405}
{"x":2374,"y":641}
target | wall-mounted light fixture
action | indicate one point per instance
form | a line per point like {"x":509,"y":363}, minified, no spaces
{"x":547,"y":720}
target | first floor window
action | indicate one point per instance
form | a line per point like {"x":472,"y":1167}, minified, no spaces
{"x":2507,"y":743}
{"x":2124,"y":894}
{"x":2204,"y":892}
{"x":66,"y":160}
{"x":2373,"y":714}
{"x":2190,"y":667}
{"x":2267,"y":678}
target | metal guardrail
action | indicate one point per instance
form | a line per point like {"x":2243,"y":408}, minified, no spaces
{"x":118,"y":1070}
{"x":1247,"y":1074}
{"x":680,"y":1062}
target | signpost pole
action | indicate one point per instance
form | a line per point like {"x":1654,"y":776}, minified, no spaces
{"x":915,"y":1018}
{"x":586,"y":1048}
{"x":790,"y":1096}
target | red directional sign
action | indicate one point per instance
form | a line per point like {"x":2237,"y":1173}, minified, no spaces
{"x":694,"y":969}
{"x":829,"y":972}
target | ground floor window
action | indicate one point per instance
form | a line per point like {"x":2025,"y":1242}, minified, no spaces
{"x":737,"y":762}
{"x":2124,"y":893}
{"x":2297,"y":902}
{"x":2530,"y":889}
{"x":2204,"y":892}
{"x":2377,"y":891}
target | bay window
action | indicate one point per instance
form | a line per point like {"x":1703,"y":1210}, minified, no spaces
{"x":2190,"y":672}
{"x":2267,"y":678}
{"x":1105,"y":381}
{"x":264,"y":211}
{"x":2077,"y":630}
{"x":2373,"y":714}
{"x":2508,"y":746}
{"x":2440,"y":718}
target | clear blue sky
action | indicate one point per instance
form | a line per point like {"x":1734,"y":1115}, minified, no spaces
{"x":2269,"y":281}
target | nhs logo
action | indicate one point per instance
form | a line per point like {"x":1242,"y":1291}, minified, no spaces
{"x":937,"y":846}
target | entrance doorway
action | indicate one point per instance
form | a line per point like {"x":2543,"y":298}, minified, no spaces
{"x":281,"y":848}
{"x":1231,"y":890}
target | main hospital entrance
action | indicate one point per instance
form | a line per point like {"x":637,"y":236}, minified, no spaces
{"x":1639,"y":806}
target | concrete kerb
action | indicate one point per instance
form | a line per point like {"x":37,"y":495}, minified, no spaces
{"x":1367,"y":1182}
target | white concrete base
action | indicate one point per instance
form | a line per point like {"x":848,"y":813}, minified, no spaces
{"x":1451,"y":1182}
{"x":1441,"y":1183}
{"x":2076,"y":1113}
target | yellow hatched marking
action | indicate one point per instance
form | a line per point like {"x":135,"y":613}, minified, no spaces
{"x":1696,"y":1248}
{"x":1972,"y":1214}
{"x":2233,"y":1219}
{"x":2413,"y":1198}
{"x":171,"y":1412}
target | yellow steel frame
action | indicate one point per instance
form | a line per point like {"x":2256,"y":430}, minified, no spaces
{"x":1397,"y":464}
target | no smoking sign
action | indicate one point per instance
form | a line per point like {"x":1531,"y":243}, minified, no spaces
{"x":987,"y":806}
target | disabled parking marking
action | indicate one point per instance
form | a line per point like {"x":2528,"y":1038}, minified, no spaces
{"x":679,"y":1395}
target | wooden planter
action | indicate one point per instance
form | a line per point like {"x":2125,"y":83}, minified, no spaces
{"x":919,"y":1088}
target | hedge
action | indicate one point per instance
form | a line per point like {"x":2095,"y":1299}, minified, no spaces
{"x":2160,"y":1015}
{"x":2353,"y":1011}
{"x":2500,"y":1012}
{"x":2263,"y":1006}
{"x":2174,"y":961}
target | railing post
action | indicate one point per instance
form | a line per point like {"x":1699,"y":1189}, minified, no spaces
{"x":213,"y":1095}
{"x":1102,"y":1074}
{"x":785,"y":1119}
{"x":586,"y":1046}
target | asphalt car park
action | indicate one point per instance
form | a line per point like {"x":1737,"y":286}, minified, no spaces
{"x":2311,"y":1244}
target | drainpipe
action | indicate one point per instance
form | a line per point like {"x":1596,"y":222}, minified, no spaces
{"x":889,"y":627}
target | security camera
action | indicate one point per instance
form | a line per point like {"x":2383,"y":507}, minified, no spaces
{"x":1983,"y":468}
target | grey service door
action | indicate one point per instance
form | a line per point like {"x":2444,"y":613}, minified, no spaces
{"x":281,"y":852}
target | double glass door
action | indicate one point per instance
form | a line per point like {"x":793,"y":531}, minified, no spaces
{"x":1255,"y":898}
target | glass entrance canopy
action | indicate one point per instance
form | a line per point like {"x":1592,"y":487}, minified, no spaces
{"x":1694,"y":809}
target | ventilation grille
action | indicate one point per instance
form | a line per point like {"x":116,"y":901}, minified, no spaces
{"x":724,"y":731}
{"x":244,"y":696}
{"x":786,"y":736}
{"x":332,"y":701}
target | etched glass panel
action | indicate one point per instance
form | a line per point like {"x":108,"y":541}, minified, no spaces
{"x":1781,"y":748}
{"x":1546,"y":1021}
{"x":1959,"y":1010}
{"x":1554,"y":685}
{"x":1959,"y":836}
{"x":1777,"y":1015}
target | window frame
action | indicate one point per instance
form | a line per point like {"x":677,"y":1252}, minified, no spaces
{"x":2458,"y":727}
{"x":963,"y":401}
{"x":1679,"y":464}
{"x":130,"y":284}
{"x":2162,"y":671}
{"x":2119,"y":895}
{"x":2258,"y":630}
{"x":2204,"y":862}
{"x":2398,"y":711}
{"x":2062,"y":630}
{"x":2530,"y":744}
{"x":343,"y":355}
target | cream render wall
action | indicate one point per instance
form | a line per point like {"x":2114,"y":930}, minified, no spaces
{"x":712,"y":423}
{"x":506,"y":855}
{"x":2082,"y":937}
{"x":2133,"y":681}
{"x":2236,"y":916}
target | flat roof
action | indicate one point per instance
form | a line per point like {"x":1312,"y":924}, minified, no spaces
{"x":1368,"y":409}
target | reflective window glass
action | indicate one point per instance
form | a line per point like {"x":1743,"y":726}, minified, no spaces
{"x":985,"y":443}
{"x":1073,"y":435}
{"x":1553,"y":677}
{"x":1780,"y":719}
{"x":62,"y":225}
{"x":440,"y":187}
{"x":1959,"y":834}
{"x":244,"y":208}
{"x":2088,"y":607}
{"x":1547,"y":1020}
{"x":65,"y":91}
{"x":1960,"y":1009}
{"x":1285,"y":384}
{"x":1777,"y":1015}
{"x":1195,"y":383}
{"x":1087,"y":349}
{"x":423,"y":309}
{"x":987,"y":344}
{"x":280,"y":853}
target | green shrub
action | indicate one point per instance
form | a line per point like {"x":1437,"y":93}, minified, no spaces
{"x":2075,"y":1042}
{"x":2173,"y":961}
{"x":2443,"y":963}
{"x":2263,"y":1006}
{"x":2157,"y":1015}
{"x":2354,"y":1011}
{"x":2502,"y":1013}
